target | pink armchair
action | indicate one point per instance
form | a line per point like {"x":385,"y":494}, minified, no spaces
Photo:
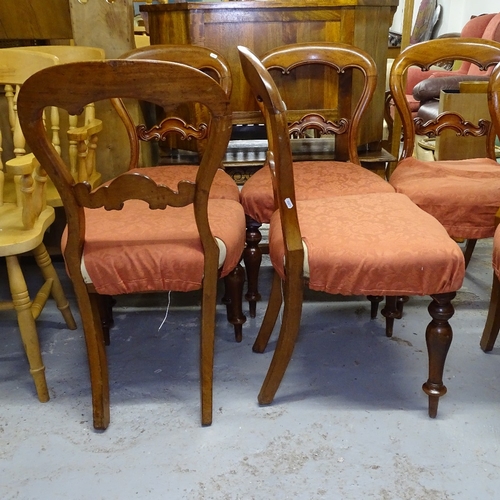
{"x":486,"y":26}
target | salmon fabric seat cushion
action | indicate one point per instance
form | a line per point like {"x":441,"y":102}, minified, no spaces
{"x":368,"y":245}
{"x":463,"y":195}
{"x":223,"y":185}
{"x":496,"y":252}
{"x":313,"y":179}
{"x":141,"y":250}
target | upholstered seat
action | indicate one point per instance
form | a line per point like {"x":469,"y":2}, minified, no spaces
{"x":164,"y":254}
{"x":312,"y":180}
{"x":457,"y":193}
{"x":370,"y":253}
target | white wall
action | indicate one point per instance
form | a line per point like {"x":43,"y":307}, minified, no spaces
{"x":455,"y":13}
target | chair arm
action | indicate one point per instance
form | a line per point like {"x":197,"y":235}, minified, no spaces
{"x":431,"y":87}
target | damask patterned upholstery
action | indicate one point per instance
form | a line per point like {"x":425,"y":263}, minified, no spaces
{"x":164,"y":254}
{"x":354,"y":248}
{"x":463,"y":195}
{"x":313,"y":179}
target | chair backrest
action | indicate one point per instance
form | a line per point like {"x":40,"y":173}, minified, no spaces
{"x":494,"y":96}
{"x":279,"y":154}
{"x":16,"y":66}
{"x":162,"y":83}
{"x":202,"y":58}
{"x":24,"y":220}
{"x":325,"y":66}
{"x":480,"y":52}
{"x":57,"y":122}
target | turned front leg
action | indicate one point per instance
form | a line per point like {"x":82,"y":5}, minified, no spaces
{"x":438,"y":337}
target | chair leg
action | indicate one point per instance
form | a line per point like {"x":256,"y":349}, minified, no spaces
{"x":252,"y":256}
{"x":207,"y":341}
{"x":272,"y":311}
{"x":492,"y":325}
{"x":45,"y":264}
{"x":375,"y":300}
{"x":293,"y":295}
{"x":27,"y":327}
{"x":390,"y":312}
{"x":105,"y":304}
{"x":233,"y":299}
{"x":438,"y":337}
{"x":96,"y":353}
{"x":469,"y":248}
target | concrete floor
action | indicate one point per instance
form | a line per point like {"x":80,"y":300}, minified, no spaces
{"x":349,"y":420}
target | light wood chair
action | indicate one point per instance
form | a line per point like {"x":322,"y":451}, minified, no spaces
{"x":135,"y":234}
{"x":61,"y":126}
{"x":360,"y":244}
{"x":23,"y":225}
{"x":15,"y":67}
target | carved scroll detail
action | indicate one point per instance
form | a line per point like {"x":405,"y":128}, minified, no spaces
{"x":452,"y":121}
{"x":134,"y":186}
{"x":317,"y":122}
{"x":169,"y":125}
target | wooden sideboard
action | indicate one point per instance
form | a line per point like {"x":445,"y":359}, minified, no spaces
{"x":264,"y":25}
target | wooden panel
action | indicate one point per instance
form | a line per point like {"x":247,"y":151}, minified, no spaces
{"x":34,"y":19}
{"x":472,"y":107}
{"x":262,"y":26}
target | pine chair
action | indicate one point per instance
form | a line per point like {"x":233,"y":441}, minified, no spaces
{"x":23,"y":224}
{"x":373,"y":243}
{"x":492,"y":325}
{"x":327,"y":65}
{"x":132,"y":235}
{"x":20,"y":63}
{"x":463,"y":195}
{"x":15,"y":67}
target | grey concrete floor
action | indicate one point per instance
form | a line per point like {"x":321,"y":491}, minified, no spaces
{"x":349,"y":420}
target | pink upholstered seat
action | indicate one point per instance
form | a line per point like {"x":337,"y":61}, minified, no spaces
{"x":313,"y":179}
{"x":376,"y":243}
{"x":166,"y":253}
{"x":354,"y":248}
{"x":463,"y":195}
